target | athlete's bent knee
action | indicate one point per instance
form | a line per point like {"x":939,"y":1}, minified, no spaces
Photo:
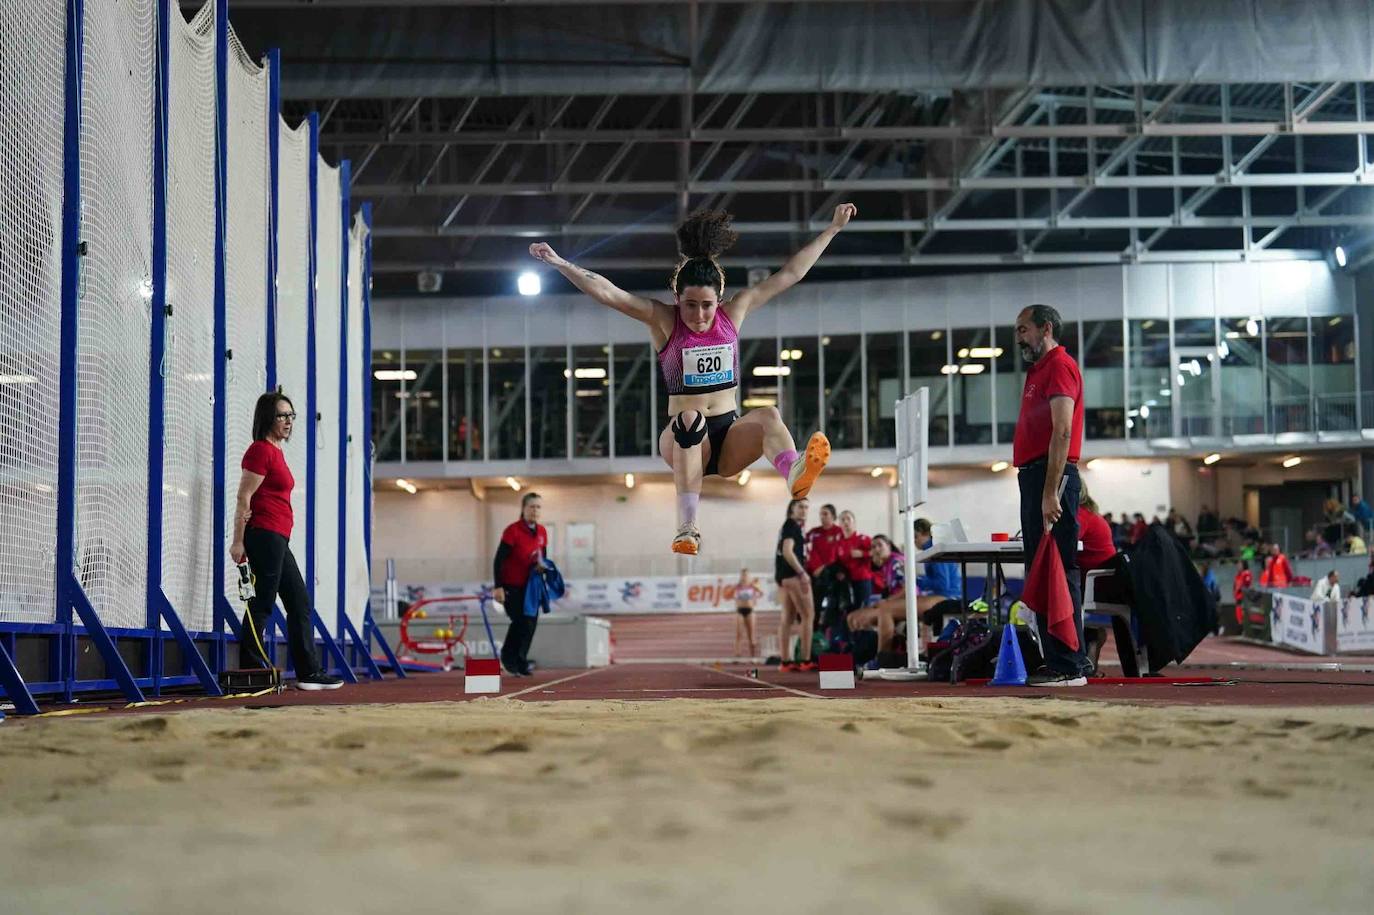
{"x":689,"y":428}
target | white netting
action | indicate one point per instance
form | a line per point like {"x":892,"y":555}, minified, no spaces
{"x":293,"y":281}
{"x":328,"y":308}
{"x":188,"y":485}
{"x":359,"y":581}
{"x":245,"y":252}
{"x":115,"y":302}
{"x":32,"y":54}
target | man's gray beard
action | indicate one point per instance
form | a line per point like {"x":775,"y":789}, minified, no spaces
{"x":1030,"y":355}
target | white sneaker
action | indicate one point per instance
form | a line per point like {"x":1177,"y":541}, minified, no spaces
{"x":688,"y":540}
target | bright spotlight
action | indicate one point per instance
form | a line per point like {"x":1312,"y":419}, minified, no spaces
{"x":1293,"y":461}
{"x":1340,"y":256}
{"x":528,"y":283}
{"x":744,"y":477}
{"x":1211,"y":459}
{"x":876,"y":472}
{"x":513,"y":483}
{"x":999,"y":466}
{"x":629,"y":481}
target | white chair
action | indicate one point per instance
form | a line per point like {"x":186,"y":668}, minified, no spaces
{"x":1121,"y":618}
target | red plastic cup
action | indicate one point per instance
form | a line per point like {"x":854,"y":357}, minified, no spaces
{"x":1001,"y":538}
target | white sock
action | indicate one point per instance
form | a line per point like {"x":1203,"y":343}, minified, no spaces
{"x":687,"y":507}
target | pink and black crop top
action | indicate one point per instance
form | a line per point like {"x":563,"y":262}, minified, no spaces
{"x":700,"y":363}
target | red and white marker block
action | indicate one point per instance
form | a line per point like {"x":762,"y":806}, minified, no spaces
{"x":837,"y":671}
{"x":482,"y":675}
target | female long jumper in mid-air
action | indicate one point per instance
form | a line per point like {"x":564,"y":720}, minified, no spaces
{"x":697,"y":340}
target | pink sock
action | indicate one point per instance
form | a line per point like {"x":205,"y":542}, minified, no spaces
{"x":785,"y":460}
{"x":687,"y":507}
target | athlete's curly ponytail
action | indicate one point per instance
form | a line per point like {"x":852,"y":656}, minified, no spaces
{"x":703,"y":237}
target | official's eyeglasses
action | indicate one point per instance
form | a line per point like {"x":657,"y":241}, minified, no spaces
{"x":288,"y":416}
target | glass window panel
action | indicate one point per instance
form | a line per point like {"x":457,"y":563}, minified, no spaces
{"x":1151,"y":395}
{"x":424,"y":405}
{"x":801,"y":386}
{"x":929,"y":356}
{"x":844,"y":390}
{"x":1011,"y":379}
{"x":1286,"y":344}
{"x":591,"y":382}
{"x":464,"y":404}
{"x":387,"y":391}
{"x":759,"y":366}
{"x":1333,"y":372}
{"x":972,"y":386}
{"x":1195,"y":347}
{"x":549,"y":401}
{"x":1103,"y":362}
{"x":634,"y":418}
{"x":1242,"y":376}
{"x":884,"y":387}
{"x":506,"y":385}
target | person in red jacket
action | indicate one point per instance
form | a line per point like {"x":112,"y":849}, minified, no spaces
{"x":1245,"y":580}
{"x":856,"y":559}
{"x":521,"y":551}
{"x":823,"y":543}
{"x":262,"y":537}
{"x":1098,"y":548}
{"x":1277,"y":572}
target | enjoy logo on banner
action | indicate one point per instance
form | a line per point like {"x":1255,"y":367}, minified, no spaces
{"x":1298,"y":623}
{"x":1355,"y":625}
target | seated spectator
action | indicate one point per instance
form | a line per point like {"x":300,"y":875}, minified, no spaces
{"x":1140,"y":528}
{"x":1277,"y":572}
{"x":889,"y":581}
{"x":939,"y":589}
{"x":1209,"y":536}
{"x":1355,"y":545}
{"x":1179,"y":527}
{"x":1098,"y":547}
{"x":1364,"y":515}
{"x":1328,"y":588}
{"x":1365,"y":586}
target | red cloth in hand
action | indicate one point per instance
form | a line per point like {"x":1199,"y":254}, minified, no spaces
{"x":1047,"y":592}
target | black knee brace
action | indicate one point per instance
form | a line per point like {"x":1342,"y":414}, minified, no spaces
{"x":686,"y":436}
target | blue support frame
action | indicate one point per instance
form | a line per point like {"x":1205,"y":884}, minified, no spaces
{"x":311,"y":405}
{"x":274,"y":206}
{"x":159,"y":607}
{"x":223,"y":610}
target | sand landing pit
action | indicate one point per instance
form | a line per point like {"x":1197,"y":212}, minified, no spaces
{"x":693,"y":806}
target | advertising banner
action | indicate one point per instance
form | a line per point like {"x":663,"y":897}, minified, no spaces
{"x":1298,"y":623}
{"x":1355,"y":625}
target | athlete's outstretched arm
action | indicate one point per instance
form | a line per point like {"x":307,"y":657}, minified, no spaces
{"x":792,"y":271}
{"x":596,"y":285}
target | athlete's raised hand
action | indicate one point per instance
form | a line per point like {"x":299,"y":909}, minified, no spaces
{"x":544,"y":252}
{"x":843,"y":213}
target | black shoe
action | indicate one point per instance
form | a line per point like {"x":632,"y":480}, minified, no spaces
{"x":1053,"y":678}
{"x":318,"y":680}
{"x":513,"y":671}
{"x":528,"y":671}
{"x":772,"y":661}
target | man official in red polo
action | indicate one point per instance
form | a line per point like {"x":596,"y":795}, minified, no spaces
{"x":1049,"y":439}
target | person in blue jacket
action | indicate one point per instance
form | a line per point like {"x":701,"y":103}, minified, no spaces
{"x":939,"y":589}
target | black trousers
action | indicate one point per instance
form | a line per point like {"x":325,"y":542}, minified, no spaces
{"x":515,"y":650}
{"x":1031,"y":479}
{"x":275,"y":573}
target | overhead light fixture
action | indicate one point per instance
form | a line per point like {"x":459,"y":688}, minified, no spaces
{"x":1232,"y":335}
{"x":528,"y":283}
{"x":949,"y":370}
{"x":985,"y":352}
{"x":936,"y":334}
{"x":876,"y":472}
{"x":825,"y":341}
{"x":784,"y":355}
{"x":513,"y":483}
{"x":1145,"y":412}
{"x":963,"y":353}
{"x":629,"y":481}
{"x":999,"y":466}
{"x":18,"y":379}
{"x":752,"y":402}
{"x":1334,"y":321}
{"x":1340,"y":256}
{"x":796,"y":354}
{"x":589,"y":373}
{"x":1181,"y":381}
{"x":395,"y":375}
{"x":973,"y":368}
{"x":1223,"y":349}
{"x":1252,"y":327}
{"x":407,"y":486}
{"x":744,"y":477}
{"x":772,"y":371}
{"x":1211,"y":459}
{"x":1095,"y":462}
{"x":594,"y":392}
{"x":1146,"y":325}
{"x":1293,"y":461}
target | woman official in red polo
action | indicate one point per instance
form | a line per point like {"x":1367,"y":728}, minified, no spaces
{"x":521,"y":551}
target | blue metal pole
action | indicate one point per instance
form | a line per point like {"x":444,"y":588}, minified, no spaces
{"x":312,"y":408}
{"x":222,"y":608}
{"x":341,"y":565}
{"x":274,"y":206}
{"x":72,"y":253}
{"x":157,"y":350}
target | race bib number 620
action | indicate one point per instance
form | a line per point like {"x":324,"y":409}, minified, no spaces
{"x":703,"y":366}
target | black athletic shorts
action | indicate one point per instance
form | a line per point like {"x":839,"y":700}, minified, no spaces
{"x":716,"y":428}
{"x":744,"y":611}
